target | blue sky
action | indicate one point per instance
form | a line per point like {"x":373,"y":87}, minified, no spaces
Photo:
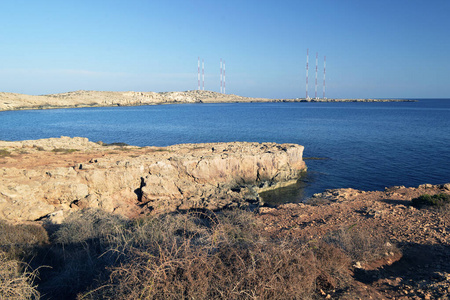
{"x":374,"y":49}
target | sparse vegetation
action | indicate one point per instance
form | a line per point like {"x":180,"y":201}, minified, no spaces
{"x":360,"y":243}
{"x":4,"y":153}
{"x":193,"y":255}
{"x":200,"y":254}
{"x":16,"y":282}
{"x":64,"y":150}
{"x":18,"y":242}
{"x":203,"y":255}
{"x":438,"y":200}
{"x":120,"y":144}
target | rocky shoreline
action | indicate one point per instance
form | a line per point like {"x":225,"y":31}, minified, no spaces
{"x":11,"y":101}
{"x":49,"y":178}
{"x":405,"y":249}
{"x":418,"y":267}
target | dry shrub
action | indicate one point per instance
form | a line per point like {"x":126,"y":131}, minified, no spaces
{"x":76,"y":257}
{"x":16,"y":282}
{"x":85,"y":225}
{"x":18,"y":241}
{"x":216,"y":256}
{"x":360,"y":243}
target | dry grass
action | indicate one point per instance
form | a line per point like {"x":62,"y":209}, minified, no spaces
{"x":16,"y":243}
{"x":194,"y":255}
{"x":17,"y":240}
{"x":16,"y":282}
{"x":216,"y":256}
{"x":360,"y":243}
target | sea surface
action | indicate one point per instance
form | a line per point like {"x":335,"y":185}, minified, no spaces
{"x":366,"y":146}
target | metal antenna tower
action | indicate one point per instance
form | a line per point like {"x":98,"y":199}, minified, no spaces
{"x":198,"y":73}
{"x":221,"y":76}
{"x":224,"y":78}
{"x":324,"y":73}
{"x":307,"y":58}
{"x":317,"y":57}
{"x":203,"y":73}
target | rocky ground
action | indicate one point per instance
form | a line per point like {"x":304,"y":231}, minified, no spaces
{"x":49,"y":178}
{"x":409,"y":247}
{"x":11,"y":101}
{"x":417,"y":267}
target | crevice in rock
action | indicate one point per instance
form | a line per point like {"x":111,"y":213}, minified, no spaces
{"x":138,"y":191}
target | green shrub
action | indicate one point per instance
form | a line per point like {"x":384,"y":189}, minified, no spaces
{"x":64,"y":150}
{"x":4,"y":153}
{"x":437,"y":200}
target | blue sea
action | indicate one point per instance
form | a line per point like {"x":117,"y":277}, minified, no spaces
{"x":366,"y":146}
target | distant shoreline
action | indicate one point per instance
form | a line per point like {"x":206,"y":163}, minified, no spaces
{"x":78,"y":99}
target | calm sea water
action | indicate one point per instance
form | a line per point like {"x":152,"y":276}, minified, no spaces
{"x":363,"y":145}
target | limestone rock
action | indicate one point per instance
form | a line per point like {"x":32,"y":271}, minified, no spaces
{"x":148,"y":180}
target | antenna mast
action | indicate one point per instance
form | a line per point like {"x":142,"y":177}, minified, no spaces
{"x":307,"y":58}
{"x":317,"y":57}
{"x":203,"y":73}
{"x":198,"y":73}
{"x":324,"y":73}
{"x":221,"y":76}
{"x":224,"y":77}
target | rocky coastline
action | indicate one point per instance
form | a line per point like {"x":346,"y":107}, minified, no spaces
{"x":397,"y":250}
{"x":12,"y":101}
{"x":49,"y":178}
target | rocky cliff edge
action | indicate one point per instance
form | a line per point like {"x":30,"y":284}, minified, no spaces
{"x":49,"y":178}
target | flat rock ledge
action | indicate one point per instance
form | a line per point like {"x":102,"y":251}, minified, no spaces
{"x":47,"y":179}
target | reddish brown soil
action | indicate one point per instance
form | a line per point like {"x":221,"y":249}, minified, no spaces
{"x":32,"y":159}
{"x":419,"y":268}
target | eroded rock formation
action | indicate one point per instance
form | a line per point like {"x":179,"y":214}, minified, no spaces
{"x":51,"y":177}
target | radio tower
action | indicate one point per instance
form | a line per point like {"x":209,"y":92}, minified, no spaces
{"x":203,"y":73}
{"x":307,"y":58}
{"x":324,"y":73}
{"x":224,"y":77}
{"x":220,"y":75}
{"x":317,"y":56}
{"x":198,"y":73}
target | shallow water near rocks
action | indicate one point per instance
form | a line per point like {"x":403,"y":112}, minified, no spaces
{"x":367,"y":145}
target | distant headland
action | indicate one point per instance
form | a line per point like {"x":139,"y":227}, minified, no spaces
{"x":12,"y":101}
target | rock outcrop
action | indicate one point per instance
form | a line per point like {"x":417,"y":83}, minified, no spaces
{"x":11,"y":101}
{"x":51,"y":177}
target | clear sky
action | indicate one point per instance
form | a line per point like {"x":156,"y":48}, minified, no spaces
{"x":379,"y":49}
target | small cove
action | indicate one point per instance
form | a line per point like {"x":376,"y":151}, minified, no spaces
{"x":366,"y":145}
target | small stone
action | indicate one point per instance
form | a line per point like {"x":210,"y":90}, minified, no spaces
{"x":425,"y":186}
